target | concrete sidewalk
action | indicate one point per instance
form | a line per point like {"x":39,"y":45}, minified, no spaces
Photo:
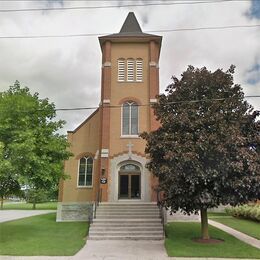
{"x":123,"y":249}
{"x":119,"y":250}
{"x":239,"y":235}
{"x":8,"y":215}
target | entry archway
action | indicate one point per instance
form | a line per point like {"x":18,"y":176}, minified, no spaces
{"x":129,"y":181}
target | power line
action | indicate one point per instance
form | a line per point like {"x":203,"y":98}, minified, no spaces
{"x":152,"y":31}
{"x":145,"y":105}
{"x":119,"y":6}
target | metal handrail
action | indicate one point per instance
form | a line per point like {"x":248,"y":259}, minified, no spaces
{"x":161,"y":210}
{"x":97,"y":201}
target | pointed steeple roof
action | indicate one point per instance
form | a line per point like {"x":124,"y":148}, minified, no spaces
{"x":130,"y":30}
{"x":131,"y":24}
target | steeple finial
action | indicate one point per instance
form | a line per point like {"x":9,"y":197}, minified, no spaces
{"x":131,"y":24}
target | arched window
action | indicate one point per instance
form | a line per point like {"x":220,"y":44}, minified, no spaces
{"x":85,"y":176}
{"x":130,"y":118}
{"x":130,"y":168}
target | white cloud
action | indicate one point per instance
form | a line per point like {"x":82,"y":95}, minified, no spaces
{"x":67,"y":70}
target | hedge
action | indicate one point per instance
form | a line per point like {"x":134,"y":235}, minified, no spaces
{"x":246,"y":211}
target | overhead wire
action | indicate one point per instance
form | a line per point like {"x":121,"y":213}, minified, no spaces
{"x":187,"y":2}
{"x":151,"y":31}
{"x":144,"y":105}
{"x":138,"y":105}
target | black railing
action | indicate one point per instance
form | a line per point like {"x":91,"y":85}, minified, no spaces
{"x":162,"y":210}
{"x":93,"y":209}
{"x":97,"y":201}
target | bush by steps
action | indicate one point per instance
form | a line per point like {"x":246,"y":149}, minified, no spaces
{"x":246,"y":211}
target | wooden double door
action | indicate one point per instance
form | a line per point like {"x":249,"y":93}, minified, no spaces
{"x":129,"y":185}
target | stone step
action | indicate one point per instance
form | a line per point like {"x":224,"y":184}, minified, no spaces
{"x":114,"y":216}
{"x":126,"y":233}
{"x":155,"y":214}
{"x":132,"y":221}
{"x":126,"y":221}
{"x":127,"y":209}
{"x":126,"y":228}
{"x":126,"y":224}
{"x":136,"y":237}
{"x":138,"y":204}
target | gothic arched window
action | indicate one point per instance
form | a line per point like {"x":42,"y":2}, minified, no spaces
{"x":85,"y":175}
{"x":130,"y":118}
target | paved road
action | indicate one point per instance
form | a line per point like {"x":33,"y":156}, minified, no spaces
{"x":7,"y":215}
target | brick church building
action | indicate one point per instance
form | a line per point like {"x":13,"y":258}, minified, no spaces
{"x":108,"y":155}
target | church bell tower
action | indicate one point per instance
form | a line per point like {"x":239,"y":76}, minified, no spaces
{"x":129,"y":85}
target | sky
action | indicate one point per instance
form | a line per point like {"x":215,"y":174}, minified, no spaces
{"x":67,"y":70}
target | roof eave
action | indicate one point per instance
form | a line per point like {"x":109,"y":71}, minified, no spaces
{"x":130,"y":38}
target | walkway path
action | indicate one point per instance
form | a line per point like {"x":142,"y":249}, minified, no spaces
{"x":241,"y":236}
{"x":7,"y":215}
{"x":115,"y":250}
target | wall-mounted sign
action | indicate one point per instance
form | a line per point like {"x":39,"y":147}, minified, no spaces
{"x":103,"y":180}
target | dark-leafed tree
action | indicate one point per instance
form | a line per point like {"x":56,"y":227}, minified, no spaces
{"x":32,"y":150}
{"x":206,"y":151}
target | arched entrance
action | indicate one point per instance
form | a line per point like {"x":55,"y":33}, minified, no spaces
{"x":129,"y":182}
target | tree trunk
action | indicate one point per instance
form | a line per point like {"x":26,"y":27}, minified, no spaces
{"x":34,"y":204}
{"x":2,"y":203}
{"x":204,"y":224}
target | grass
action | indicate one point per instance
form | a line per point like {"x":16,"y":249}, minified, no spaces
{"x":249,"y":227}
{"x":42,"y":235}
{"x":217,"y":214}
{"x":45,"y":205}
{"x":179,"y":243}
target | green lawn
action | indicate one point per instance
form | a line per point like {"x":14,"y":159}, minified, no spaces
{"x":45,"y":205}
{"x":217,"y":214}
{"x":249,"y":227}
{"x":179,"y":243}
{"x":42,"y":235}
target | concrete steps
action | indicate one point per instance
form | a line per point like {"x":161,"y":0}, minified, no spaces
{"x":126,"y":221}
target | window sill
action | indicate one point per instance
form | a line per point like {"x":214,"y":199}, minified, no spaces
{"x":129,"y":81}
{"x":85,"y":187}
{"x":130,"y":136}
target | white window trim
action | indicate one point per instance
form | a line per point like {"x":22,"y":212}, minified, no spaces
{"x":142,"y":74}
{"x":129,"y":135}
{"x":85,"y":186}
{"x":127,"y":69}
{"x":124,"y":72}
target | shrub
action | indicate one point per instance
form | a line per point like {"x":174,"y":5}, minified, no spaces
{"x":246,"y":211}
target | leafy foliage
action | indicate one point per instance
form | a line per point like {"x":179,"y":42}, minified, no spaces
{"x":246,"y":211}
{"x":205,"y":153}
{"x":32,"y":151}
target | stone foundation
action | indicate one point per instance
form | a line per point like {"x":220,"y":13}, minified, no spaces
{"x":74,"y":211}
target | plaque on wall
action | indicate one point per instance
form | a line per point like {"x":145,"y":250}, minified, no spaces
{"x":103,"y":180}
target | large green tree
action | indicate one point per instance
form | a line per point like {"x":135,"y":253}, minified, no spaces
{"x":206,"y":151}
{"x":8,"y":185}
{"x":30,"y":140}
